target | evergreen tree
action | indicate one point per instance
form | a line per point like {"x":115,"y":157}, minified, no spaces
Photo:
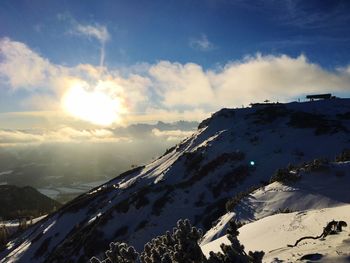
{"x":181,"y":246}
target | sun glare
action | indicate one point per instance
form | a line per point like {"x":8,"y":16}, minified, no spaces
{"x":93,"y":106}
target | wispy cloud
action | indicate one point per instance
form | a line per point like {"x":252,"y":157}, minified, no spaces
{"x":201,"y":43}
{"x":311,"y":14}
{"x":300,"y":13}
{"x":90,"y":30}
{"x":96,"y":31}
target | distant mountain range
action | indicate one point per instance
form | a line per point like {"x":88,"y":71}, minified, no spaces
{"x":231,"y":152}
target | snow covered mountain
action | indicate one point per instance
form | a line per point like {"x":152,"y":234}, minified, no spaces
{"x":232,"y":151}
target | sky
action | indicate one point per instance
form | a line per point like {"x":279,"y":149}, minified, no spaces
{"x":103,"y":64}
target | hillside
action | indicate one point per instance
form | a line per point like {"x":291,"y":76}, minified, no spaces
{"x":274,"y":233}
{"x":24,"y":202}
{"x":230,"y":152}
{"x":278,"y":214}
{"x":324,"y":187}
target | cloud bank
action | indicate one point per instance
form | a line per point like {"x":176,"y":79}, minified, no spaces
{"x":66,"y":134}
{"x":169,"y":89}
{"x":160,"y":132}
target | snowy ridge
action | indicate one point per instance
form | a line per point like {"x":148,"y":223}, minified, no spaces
{"x":193,"y":180}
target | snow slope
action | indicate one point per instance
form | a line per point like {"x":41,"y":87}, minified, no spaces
{"x":193,"y":180}
{"x":273,"y":233}
{"x":318,"y":198}
{"x":315,"y":190}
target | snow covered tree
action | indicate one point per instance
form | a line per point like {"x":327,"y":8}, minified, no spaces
{"x":181,"y":246}
{"x":118,"y":253}
{"x":235,"y":251}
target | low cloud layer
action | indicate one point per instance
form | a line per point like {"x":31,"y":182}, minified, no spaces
{"x":137,"y":132}
{"x":66,"y":134}
{"x":172,"y":134}
{"x":167,"y":88}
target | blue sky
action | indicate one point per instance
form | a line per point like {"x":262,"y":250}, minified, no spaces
{"x":148,"y":31}
{"x":165,"y":60}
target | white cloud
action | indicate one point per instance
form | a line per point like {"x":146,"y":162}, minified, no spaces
{"x":180,"y":84}
{"x":201,"y":43}
{"x":240,"y":82}
{"x":166,"y":90}
{"x":64,"y":134}
{"x":94,"y":31}
{"x":172,"y":134}
{"x":22,"y":67}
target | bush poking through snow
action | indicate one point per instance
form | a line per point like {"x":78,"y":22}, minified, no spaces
{"x":234,"y":252}
{"x":317,"y":165}
{"x":118,"y":253}
{"x":284,"y":175}
{"x":181,"y":246}
{"x":231,"y":203}
{"x":3,"y":236}
{"x":344,"y":156}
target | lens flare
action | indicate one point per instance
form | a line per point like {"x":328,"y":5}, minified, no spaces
{"x":94,"y":106}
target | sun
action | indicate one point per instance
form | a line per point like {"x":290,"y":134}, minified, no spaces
{"x":94,"y":106}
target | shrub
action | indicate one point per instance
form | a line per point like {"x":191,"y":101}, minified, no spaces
{"x":3,"y":236}
{"x":211,"y":166}
{"x":283,"y":211}
{"x":141,"y":225}
{"x":22,"y":224}
{"x":118,"y":253}
{"x":160,"y":203}
{"x":344,"y":156}
{"x":270,"y":113}
{"x":43,"y":248}
{"x":318,"y":122}
{"x":122,"y":206}
{"x":317,"y":165}
{"x":284,"y":176}
{"x":193,"y":160}
{"x":231,"y":204}
{"x":121,"y":231}
{"x":230,"y":180}
{"x":168,"y":150}
{"x":181,"y":246}
{"x":235,"y":251}
{"x":211,"y":213}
